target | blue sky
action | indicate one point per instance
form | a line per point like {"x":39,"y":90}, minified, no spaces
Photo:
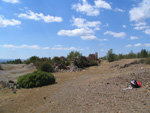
{"x":48,"y":28}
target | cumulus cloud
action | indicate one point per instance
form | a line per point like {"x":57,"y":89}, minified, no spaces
{"x":83,"y":23}
{"x":11,"y":1}
{"x":140,"y":14}
{"x":147,"y":31}
{"x":91,"y":10}
{"x":102,"y":4}
{"x":119,"y":10}
{"x":67,"y":49}
{"x":124,"y":26}
{"x":105,"y":39}
{"x":76,"y":32}
{"x":5,"y":22}
{"x":22,"y":46}
{"x":116,"y":35}
{"x":147,"y":45}
{"x":85,"y":29}
{"x":37,"y":47}
{"x":39,"y":16}
{"x":138,"y":45}
{"x":88,"y":37}
{"x":128,"y":45}
{"x":133,"y":37}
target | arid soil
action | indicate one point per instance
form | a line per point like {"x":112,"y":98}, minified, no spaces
{"x":97,"y":89}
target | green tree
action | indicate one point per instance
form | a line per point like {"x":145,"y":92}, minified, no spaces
{"x":111,"y":56}
{"x":144,"y":53}
{"x":72,"y":55}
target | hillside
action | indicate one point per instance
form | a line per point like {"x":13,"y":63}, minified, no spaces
{"x":97,"y":89}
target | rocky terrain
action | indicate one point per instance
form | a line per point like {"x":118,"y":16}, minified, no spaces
{"x":97,"y":89}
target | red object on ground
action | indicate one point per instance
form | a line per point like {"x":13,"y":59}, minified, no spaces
{"x":139,"y":83}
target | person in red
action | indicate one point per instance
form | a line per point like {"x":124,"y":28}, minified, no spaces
{"x":136,"y":84}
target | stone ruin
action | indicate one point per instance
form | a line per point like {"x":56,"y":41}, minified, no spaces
{"x":93,"y":56}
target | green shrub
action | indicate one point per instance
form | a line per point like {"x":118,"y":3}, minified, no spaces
{"x":147,"y":60}
{"x":93,"y":63}
{"x":36,"y":79}
{"x":47,"y":67}
{"x":1,"y":67}
{"x":111,"y":56}
{"x":142,"y":61}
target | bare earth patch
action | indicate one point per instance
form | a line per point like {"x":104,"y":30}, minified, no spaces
{"x":94,"y":90}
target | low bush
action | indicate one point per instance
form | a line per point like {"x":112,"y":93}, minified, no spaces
{"x":142,"y":61}
{"x":93,"y":63}
{"x":147,"y":60}
{"x":1,"y":67}
{"x":47,"y":67}
{"x":36,"y":79}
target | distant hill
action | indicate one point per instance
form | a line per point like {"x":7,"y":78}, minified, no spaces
{"x":5,"y":60}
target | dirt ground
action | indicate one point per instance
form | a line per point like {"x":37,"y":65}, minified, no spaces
{"x":97,"y":89}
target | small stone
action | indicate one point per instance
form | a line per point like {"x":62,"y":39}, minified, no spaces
{"x":44,"y":98}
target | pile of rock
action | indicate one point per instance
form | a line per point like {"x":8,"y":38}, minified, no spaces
{"x":10,"y":84}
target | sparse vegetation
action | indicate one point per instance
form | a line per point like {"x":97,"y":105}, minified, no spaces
{"x":1,"y":67}
{"x":36,"y":79}
{"x":113,"y":57}
{"x":147,"y":60}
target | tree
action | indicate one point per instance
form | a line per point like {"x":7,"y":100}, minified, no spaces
{"x":111,"y":56}
{"x":144,"y":53}
{"x":72,"y":55}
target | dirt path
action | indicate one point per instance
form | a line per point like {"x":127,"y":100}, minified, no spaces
{"x":94,"y":90}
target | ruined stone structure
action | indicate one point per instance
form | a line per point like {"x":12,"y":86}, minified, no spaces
{"x":93,"y":56}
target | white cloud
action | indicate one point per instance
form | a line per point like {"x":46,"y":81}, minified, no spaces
{"x":147,"y":45}
{"x":102,"y":4}
{"x":91,"y":10}
{"x":141,"y":26}
{"x":106,"y":25}
{"x":83,"y":23}
{"x":140,"y":15}
{"x":138,"y":45}
{"x":76,"y":32}
{"x":85,"y":29}
{"x":5,"y":22}
{"x":119,"y":10}
{"x":102,"y":50}
{"x":57,"y":45}
{"x":39,"y":16}
{"x":89,"y":37}
{"x":29,"y":47}
{"x":133,"y":37}
{"x":37,"y":47}
{"x":141,"y":12}
{"x":46,"y":48}
{"x":11,"y":1}
{"x":116,"y":35}
{"x":128,"y":45}
{"x":22,"y":46}
{"x":147,"y":31}
{"x":67,"y":49}
{"x":103,"y":39}
{"x":124,"y":26}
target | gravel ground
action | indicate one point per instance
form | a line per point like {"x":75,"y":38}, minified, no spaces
{"x":13,"y":71}
{"x":94,"y":90}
